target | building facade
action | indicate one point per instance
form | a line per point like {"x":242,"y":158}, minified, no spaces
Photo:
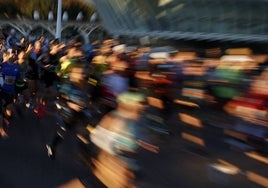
{"x":200,"y":20}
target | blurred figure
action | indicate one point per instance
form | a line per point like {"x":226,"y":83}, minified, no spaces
{"x":98,"y":66}
{"x":3,"y":48}
{"x":259,"y":85}
{"x":252,"y":105}
{"x":32,"y":73}
{"x":194,"y":81}
{"x":48,"y":77}
{"x":89,"y":52}
{"x":49,"y":64}
{"x":12,"y":39}
{"x":11,"y":74}
{"x":96,"y":69}
{"x":44,"y":43}
{"x":22,"y":44}
{"x":227,"y":81}
{"x":71,"y":105}
{"x":118,"y":138}
{"x":114,"y":80}
{"x":74,"y":54}
{"x":22,"y":91}
{"x":252,"y":108}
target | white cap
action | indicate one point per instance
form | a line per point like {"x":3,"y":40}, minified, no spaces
{"x":159,"y":55}
{"x":119,"y":48}
{"x":236,"y":58}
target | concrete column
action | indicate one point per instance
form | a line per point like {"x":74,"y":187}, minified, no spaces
{"x":59,"y":21}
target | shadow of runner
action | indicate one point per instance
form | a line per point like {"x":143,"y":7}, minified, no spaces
{"x":82,"y":183}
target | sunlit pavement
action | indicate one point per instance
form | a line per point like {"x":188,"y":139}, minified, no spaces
{"x":180,"y":163}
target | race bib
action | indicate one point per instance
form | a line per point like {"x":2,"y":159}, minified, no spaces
{"x":10,"y":79}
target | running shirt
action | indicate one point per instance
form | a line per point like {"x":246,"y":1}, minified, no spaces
{"x":11,"y":73}
{"x":68,"y":92}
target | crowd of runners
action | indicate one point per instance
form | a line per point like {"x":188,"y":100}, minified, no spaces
{"x":119,"y":82}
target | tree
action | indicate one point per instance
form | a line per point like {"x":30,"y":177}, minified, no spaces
{"x":25,"y":8}
{"x":8,"y":9}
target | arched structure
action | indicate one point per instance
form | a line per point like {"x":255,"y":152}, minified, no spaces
{"x":25,"y":27}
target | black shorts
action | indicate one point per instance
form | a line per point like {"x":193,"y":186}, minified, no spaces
{"x":21,"y":86}
{"x":6,"y":98}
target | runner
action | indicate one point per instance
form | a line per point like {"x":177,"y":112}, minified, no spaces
{"x":11,"y":74}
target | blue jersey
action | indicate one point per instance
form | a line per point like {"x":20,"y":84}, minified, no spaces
{"x":10,"y":73}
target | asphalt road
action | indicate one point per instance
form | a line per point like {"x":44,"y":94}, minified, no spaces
{"x":24,"y":162}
